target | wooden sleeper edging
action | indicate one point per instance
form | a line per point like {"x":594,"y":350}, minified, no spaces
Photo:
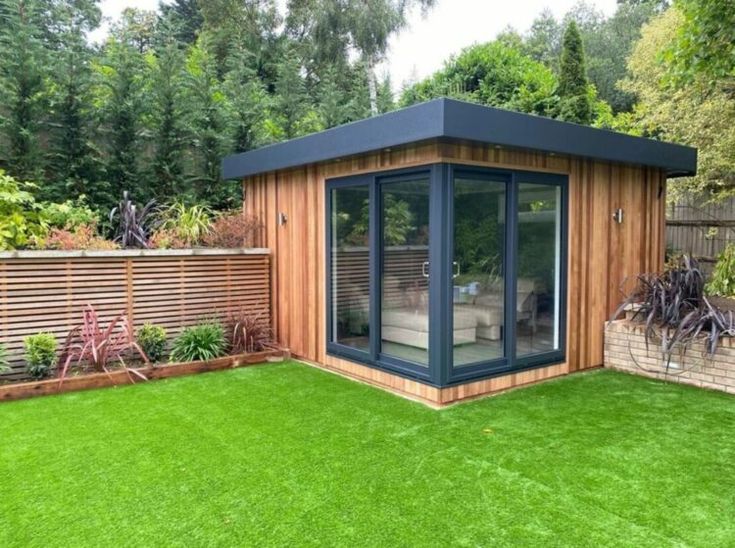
{"x":120,"y":377}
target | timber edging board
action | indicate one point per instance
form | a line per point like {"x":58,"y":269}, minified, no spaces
{"x":120,"y":377}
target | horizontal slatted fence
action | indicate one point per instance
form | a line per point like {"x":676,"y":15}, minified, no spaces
{"x":48,"y":293}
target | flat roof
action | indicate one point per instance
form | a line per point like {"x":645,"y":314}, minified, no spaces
{"x":451,"y":119}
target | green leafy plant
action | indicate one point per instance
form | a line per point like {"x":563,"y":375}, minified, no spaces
{"x":19,"y":216}
{"x":204,"y":341}
{"x":398,"y":225}
{"x":69,"y":215}
{"x":133,"y":225}
{"x":152,"y":339}
{"x":722,"y":282}
{"x":40,"y":354}
{"x":4,"y":362}
{"x":187,"y":224}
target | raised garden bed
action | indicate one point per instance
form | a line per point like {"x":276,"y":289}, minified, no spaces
{"x":626,"y":350}
{"x":25,"y":390}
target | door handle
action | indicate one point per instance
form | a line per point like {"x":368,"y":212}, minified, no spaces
{"x":455,"y":264}
{"x":425,"y":269}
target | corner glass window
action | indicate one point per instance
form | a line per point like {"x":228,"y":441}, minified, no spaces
{"x":447,"y":273}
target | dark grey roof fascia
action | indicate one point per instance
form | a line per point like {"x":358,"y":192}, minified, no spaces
{"x":513,"y":129}
{"x":448,"y":118}
{"x":408,"y":125}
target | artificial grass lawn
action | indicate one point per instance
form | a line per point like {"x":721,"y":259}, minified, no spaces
{"x":289,"y":455}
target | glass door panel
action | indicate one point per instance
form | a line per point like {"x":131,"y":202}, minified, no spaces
{"x":350,"y":266}
{"x":405,"y":269}
{"x":538,"y":285}
{"x":478,"y":288}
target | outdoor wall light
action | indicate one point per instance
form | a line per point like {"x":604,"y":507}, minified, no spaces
{"x":618,"y":216}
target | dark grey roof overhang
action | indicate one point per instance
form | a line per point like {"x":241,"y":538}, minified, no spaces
{"x":451,"y":119}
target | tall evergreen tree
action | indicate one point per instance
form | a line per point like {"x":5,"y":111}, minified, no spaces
{"x":167,"y":119}
{"x":73,"y":159}
{"x":183,"y":18}
{"x":575,"y":104}
{"x":119,"y":94}
{"x":248,"y":103}
{"x":333,"y":102}
{"x":386,"y":102}
{"x":294,"y":115}
{"x":23,"y":71}
{"x":205,"y":104}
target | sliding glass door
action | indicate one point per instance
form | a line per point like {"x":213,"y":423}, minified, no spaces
{"x":538,"y":284}
{"x":478,"y":267}
{"x":349,"y":266}
{"x":404,"y":252}
{"x":506,"y":271}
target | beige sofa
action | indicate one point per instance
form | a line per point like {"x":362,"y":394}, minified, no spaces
{"x":489,"y":307}
{"x":411,"y":327}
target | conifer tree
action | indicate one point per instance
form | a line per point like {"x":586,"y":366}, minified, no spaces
{"x":73,"y":160}
{"x":205,"y":121}
{"x":119,"y":94}
{"x":248,"y":103}
{"x":23,"y":70}
{"x":167,"y":119}
{"x":183,"y":18}
{"x":574,"y":103}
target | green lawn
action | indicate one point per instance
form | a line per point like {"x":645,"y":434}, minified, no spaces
{"x":286,"y":455}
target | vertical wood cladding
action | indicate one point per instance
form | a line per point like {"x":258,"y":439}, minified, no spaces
{"x":602,"y":253}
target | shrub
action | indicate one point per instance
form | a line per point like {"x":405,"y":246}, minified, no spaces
{"x":81,"y":237}
{"x":232,"y":229}
{"x":133,"y":225}
{"x":673,"y":307}
{"x":166,"y":238}
{"x":100,"y":347}
{"x":722,"y":282}
{"x":204,"y":341}
{"x":40,"y":354}
{"x":247,"y":332}
{"x":20,"y":222}
{"x":152,"y":339}
{"x":69,"y":215}
{"x":187,"y":224}
{"x":4,"y":363}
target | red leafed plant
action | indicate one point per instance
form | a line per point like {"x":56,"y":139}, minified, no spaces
{"x":248,"y":332}
{"x":232,"y":229}
{"x":98,"y":347}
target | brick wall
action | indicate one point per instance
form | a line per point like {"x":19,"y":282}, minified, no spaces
{"x":625,"y":350}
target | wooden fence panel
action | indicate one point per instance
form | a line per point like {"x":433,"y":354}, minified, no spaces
{"x":701,"y":229}
{"x":47,"y":292}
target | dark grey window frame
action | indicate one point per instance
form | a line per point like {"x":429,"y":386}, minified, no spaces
{"x":440,"y":371}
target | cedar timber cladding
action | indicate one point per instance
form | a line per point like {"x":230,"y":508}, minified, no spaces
{"x":602,"y":253}
{"x":46,"y":293}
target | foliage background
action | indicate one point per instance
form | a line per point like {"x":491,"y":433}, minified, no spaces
{"x":155,"y":107}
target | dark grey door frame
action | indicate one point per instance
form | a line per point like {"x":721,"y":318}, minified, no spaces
{"x":440,"y":371}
